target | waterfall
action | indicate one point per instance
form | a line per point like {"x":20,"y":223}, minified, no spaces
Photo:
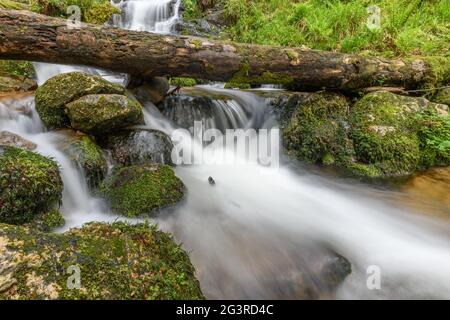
{"x":259,"y":231}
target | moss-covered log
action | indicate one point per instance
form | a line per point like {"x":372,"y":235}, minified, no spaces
{"x":34,"y":37}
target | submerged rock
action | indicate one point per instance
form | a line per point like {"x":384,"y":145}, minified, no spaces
{"x":136,"y":190}
{"x":62,"y":89}
{"x":138,"y":147}
{"x":85,"y":154}
{"x":30,"y":184}
{"x":100,"y":113}
{"x":115,"y":261}
{"x":13,"y":140}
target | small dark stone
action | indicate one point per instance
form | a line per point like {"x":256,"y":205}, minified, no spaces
{"x":211,"y":181}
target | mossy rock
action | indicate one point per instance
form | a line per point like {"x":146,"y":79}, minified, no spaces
{"x":136,"y":190}
{"x":52,"y":97}
{"x":138,"y":146}
{"x":115,"y":262}
{"x":100,"y":12}
{"x":394,"y":134}
{"x":30,"y":184}
{"x":13,"y":140}
{"x":100,"y":113}
{"x":317,"y":132}
{"x":47,"y":221}
{"x":16,"y":84}
{"x":84,"y":153}
{"x":16,"y":68}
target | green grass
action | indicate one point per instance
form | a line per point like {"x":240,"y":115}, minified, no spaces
{"x":416,"y":27}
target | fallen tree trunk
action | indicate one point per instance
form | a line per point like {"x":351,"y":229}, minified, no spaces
{"x":29,"y":36}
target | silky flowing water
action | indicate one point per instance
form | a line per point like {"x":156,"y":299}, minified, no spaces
{"x":260,"y":231}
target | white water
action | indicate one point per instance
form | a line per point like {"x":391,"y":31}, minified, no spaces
{"x":257,"y":230}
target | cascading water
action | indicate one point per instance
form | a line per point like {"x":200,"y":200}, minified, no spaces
{"x":148,"y":15}
{"x":259,"y":231}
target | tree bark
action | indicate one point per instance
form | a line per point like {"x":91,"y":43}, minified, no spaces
{"x":29,"y":36}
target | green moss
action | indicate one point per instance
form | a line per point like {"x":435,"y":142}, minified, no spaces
{"x":16,"y":68}
{"x":84,"y":153}
{"x":62,"y":89}
{"x":243,"y":79}
{"x":30,"y":184}
{"x":99,"y":13}
{"x":47,"y":221}
{"x":443,"y":96}
{"x":134,"y":190}
{"x":92,"y":11}
{"x":317,"y":129}
{"x":100,"y":113}
{"x":12,"y":5}
{"x":434,"y":136}
{"x":438,"y":73}
{"x":182,"y":82}
{"x":397,"y":134}
{"x":116,"y":261}
{"x":364,"y":170}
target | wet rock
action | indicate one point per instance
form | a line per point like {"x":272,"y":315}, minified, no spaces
{"x":13,"y":140}
{"x":138,"y":147}
{"x":184,"y":110}
{"x":136,"y":190}
{"x":16,"y":84}
{"x":85,"y":154}
{"x":115,"y":261}
{"x":211,"y":181}
{"x":100,"y":113}
{"x":30,"y":184}
{"x":153,"y":90}
{"x":55,"y":93}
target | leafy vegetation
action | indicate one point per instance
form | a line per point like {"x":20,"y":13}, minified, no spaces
{"x":407,"y":27}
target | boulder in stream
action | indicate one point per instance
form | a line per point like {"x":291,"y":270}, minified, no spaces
{"x":317,"y":130}
{"x":138,"y":146}
{"x":84,"y":153}
{"x":55,"y":93}
{"x":100,"y":113}
{"x":30,"y":185}
{"x":381,"y":135}
{"x":397,"y":135}
{"x":115,"y":262}
{"x":136,"y":190}
{"x":13,"y":140}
